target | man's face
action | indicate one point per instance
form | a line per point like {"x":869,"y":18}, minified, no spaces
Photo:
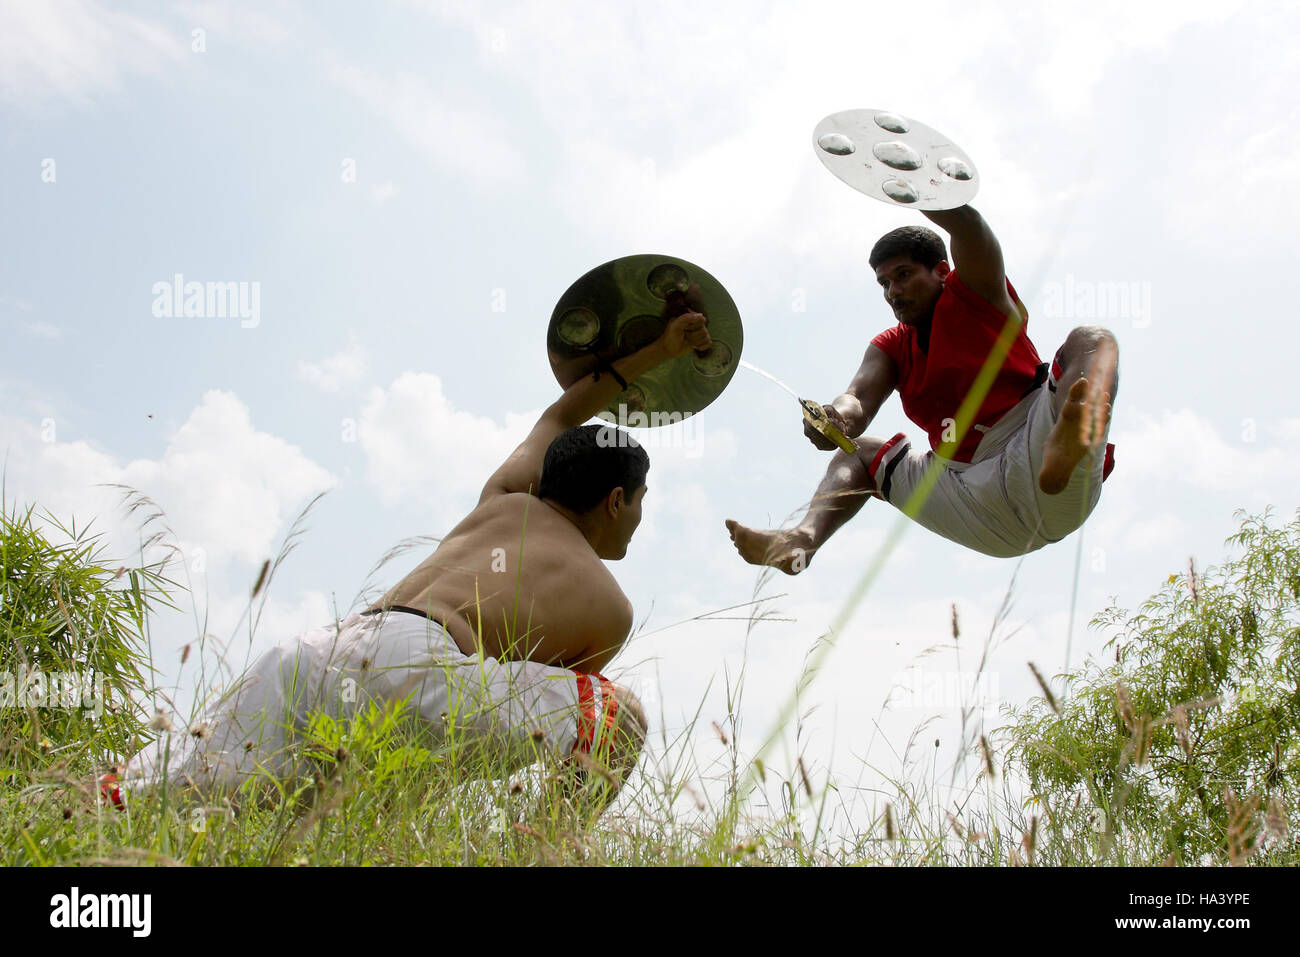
{"x":629,"y":518}
{"x":910,"y":288}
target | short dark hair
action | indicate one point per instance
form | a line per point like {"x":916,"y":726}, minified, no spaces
{"x":584,"y":464}
{"x":915,"y":242}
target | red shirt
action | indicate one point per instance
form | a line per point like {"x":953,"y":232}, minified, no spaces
{"x":933,"y":383}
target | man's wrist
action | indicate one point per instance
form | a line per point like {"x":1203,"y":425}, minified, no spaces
{"x":643,"y":360}
{"x":850,"y":410}
{"x":604,"y":366}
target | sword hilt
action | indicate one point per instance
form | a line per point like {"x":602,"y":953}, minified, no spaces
{"x":816,"y":416}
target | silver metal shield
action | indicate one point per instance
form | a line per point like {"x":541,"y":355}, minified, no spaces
{"x":895,"y":159}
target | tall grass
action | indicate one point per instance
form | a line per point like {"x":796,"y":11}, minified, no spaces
{"x":372,"y":788}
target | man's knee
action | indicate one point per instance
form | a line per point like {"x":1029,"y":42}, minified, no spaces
{"x":618,"y":741}
{"x":868,"y":448}
{"x":1084,"y":340}
{"x":1081,"y":348}
{"x":629,"y":722}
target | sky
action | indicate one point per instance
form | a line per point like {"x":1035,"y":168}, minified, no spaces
{"x":400,"y":193}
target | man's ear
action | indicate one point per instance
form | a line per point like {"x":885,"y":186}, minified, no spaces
{"x":942,"y":268}
{"x":614,"y":502}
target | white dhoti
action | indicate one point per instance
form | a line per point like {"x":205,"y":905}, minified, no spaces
{"x":517,"y":710}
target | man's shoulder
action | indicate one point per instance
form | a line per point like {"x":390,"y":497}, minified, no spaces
{"x":502,"y":503}
{"x":957,"y":292}
{"x":510,"y":514}
{"x":958,"y":296}
{"x":519,"y":508}
{"x":894,"y":339}
{"x":533,"y":524}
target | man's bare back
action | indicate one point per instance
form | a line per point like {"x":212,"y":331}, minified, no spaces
{"x":507,"y":573}
{"x":522,"y":577}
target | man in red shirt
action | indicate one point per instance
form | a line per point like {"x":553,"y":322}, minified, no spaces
{"x":1029,"y":468}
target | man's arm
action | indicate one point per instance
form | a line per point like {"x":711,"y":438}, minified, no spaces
{"x":582,"y":400}
{"x":853,"y":411}
{"x":976,"y":254}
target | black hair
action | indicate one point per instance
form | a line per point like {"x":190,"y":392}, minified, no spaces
{"x":584,"y":464}
{"x":915,"y":242}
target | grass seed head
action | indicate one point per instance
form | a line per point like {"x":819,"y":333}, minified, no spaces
{"x":1125,"y":705}
{"x":956,"y":825}
{"x":1275,"y":819}
{"x":987,"y":753}
{"x":1030,"y":841}
{"x":1242,"y":829}
{"x":1047,"y":691}
{"x":261,"y":578}
{"x":722,"y":735}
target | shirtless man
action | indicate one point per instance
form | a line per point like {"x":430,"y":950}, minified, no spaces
{"x":498,"y":638}
{"x":1029,"y":469}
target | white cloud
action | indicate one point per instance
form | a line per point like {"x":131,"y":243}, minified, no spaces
{"x":234,"y":488}
{"x":693,"y":125}
{"x":421,"y":450}
{"x":887,"y":674}
{"x":383,"y":192}
{"x":334,"y":372}
{"x":227,"y":491}
{"x":1265,"y":168}
{"x":465,"y":141}
{"x":1080,"y":42}
{"x":19,"y":318}
{"x":1182,"y":447}
{"x":268,"y":24}
{"x":738,"y":159}
{"x":76,"y":49}
{"x":21,"y":304}
{"x":224,"y":486}
{"x":1178,"y":478}
{"x":43,"y":330}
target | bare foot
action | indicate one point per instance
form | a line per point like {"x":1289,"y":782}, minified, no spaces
{"x":789,"y":551}
{"x":1081,"y":424}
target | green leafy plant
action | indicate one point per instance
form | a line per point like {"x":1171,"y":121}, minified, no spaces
{"x":72,"y":639}
{"x":1184,"y":748}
